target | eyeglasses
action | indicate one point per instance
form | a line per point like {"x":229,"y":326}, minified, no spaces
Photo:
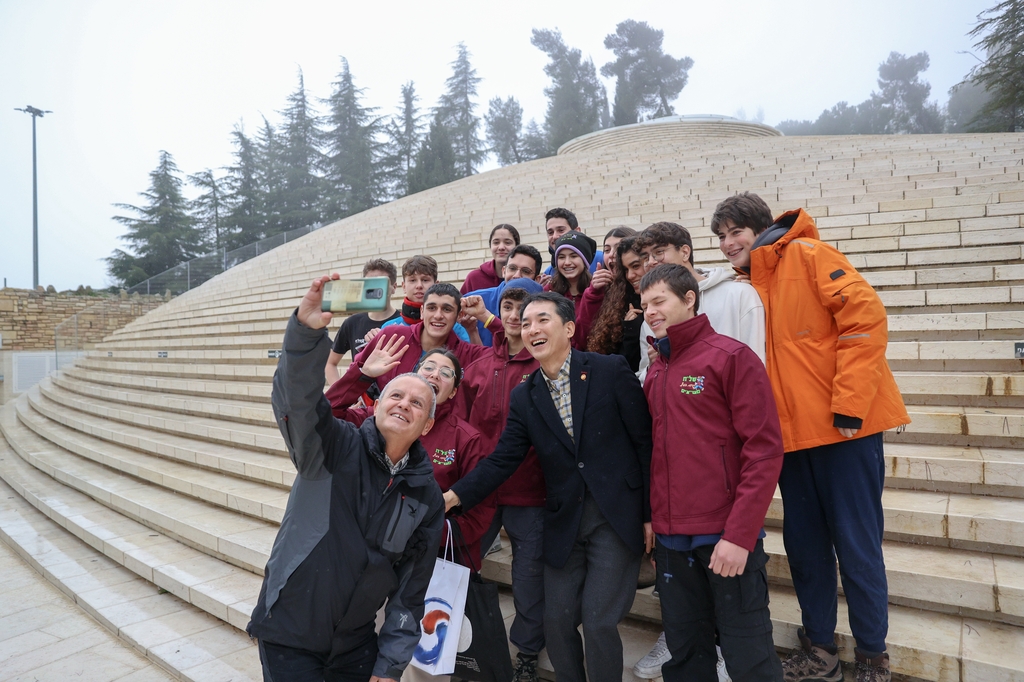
{"x":658,"y":254}
{"x":525,"y":272}
{"x":446,"y":372}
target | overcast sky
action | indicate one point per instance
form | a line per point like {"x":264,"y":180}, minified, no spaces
{"x":126,"y":79}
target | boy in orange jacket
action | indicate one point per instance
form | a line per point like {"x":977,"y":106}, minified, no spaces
{"x":825,"y":352}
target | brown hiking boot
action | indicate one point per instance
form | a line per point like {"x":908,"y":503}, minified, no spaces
{"x":812,"y":664}
{"x":872,"y":669}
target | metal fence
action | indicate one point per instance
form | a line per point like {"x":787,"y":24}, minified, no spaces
{"x":187,"y":276}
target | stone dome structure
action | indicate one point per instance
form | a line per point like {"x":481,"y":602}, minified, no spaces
{"x":669,"y":129}
{"x":147,"y":481}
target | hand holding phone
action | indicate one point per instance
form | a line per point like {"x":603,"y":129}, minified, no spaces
{"x":355,"y":295}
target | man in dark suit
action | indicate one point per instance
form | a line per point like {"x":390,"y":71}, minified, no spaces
{"x":587,"y":418}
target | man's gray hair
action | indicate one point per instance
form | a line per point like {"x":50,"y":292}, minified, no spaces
{"x":433,"y":397}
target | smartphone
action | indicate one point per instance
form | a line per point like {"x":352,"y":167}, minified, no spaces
{"x":355,"y":295}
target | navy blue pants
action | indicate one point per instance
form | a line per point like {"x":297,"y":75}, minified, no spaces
{"x":832,"y":496}
{"x":525,"y":528}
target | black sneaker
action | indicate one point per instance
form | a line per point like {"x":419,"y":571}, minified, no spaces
{"x":526,"y":669}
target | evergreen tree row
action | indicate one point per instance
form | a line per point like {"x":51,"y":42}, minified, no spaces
{"x":329,"y":159}
{"x":314,"y":167}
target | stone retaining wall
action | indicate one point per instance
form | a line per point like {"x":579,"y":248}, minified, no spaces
{"x":28,"y":318}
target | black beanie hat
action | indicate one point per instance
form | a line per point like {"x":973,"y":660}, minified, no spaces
{"x":578,"y":242}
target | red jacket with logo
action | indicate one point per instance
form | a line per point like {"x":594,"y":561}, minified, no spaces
{"x":717,"y":440}
{"x":483,"y":401}
{"x":453,"y":448}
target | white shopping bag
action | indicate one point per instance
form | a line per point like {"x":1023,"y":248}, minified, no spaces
{"x":443,"y":608}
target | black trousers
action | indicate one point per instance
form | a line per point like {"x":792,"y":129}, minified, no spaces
{"x":695,"y":601}
{"x":285,"y":664}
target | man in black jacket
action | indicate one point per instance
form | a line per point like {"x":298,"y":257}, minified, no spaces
{"x":587,"y":418}
{"x":362,"y":524}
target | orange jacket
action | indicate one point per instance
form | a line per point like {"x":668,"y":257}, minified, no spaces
{"x":826,"y":333}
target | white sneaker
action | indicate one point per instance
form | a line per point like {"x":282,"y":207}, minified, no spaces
{"x":649,"y":667}
{"x":723,"y":674}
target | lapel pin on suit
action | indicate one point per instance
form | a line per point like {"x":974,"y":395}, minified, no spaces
{"x":583,"y":376}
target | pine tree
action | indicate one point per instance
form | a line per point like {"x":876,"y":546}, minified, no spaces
{"x":209,"y":208}
{"x":300,"y":160}
{"x":403,"y":136}
{"x":577,"y":101}
{"x":1002,"y":72}
{"x":456,"y":111}
{"x":504,"y":120}
{"x":355,"y":181}
{"x":271,"y":181}
{"x":535,"y":142}
{"x":435,"y":161}
{"x":964,"y":109}
{"x":901,"y":103}
{"x":245,"y":193}
{"x":161,"y":234}
{"x":646,"y":79}
{"x":509,"y":141}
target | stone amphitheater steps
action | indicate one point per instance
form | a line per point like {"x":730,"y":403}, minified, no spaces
{"x":904,"y":458}
{"x":245,"y":465}
{"x":221,"y":347}
{"x":965,"y":426}
{"x":933,"y":222}
{"x":217,"y":486}
{"x":265,"y":439}
{"x":237,"y":539}
{"x":229,"y":592}
{"x":222,"y":590}
{"x":944,"y":519}
{"x":257,"y":393}
{"x":44,"y":635}
{"x":953,"y":356}
{"x":217,"y":372}
{"x":916,"y":386}
{"x":248,"y":357}
{"x":242,"y":412}
{"x":970,"y":354}
{"x":109,"y":578}
{"x":219,"y":339}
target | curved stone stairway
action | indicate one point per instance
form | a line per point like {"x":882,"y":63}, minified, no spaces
{"x":158,"y":457}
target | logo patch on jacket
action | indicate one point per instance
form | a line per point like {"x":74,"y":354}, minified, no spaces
{"x":525,"y":377}
{"x":692,"y":385}
{"x":443,"y":458}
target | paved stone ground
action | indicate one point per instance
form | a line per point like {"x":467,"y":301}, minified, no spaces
{"x":45,"y":636}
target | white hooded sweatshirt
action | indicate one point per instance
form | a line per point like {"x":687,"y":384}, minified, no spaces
{"x":733,"y":308}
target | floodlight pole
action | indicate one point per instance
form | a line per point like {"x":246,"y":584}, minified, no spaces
{"x":34,"y":113}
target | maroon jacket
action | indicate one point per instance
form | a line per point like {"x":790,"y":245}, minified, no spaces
{"x":717,"y":440}
{"x":465,"y":352}
{"x":483,"y":401}
{"x":587,"y":310}
{"x":454,"y":449}
{"x":484,"y":277}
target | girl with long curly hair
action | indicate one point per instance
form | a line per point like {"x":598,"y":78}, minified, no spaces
{"x":616,"y":329}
